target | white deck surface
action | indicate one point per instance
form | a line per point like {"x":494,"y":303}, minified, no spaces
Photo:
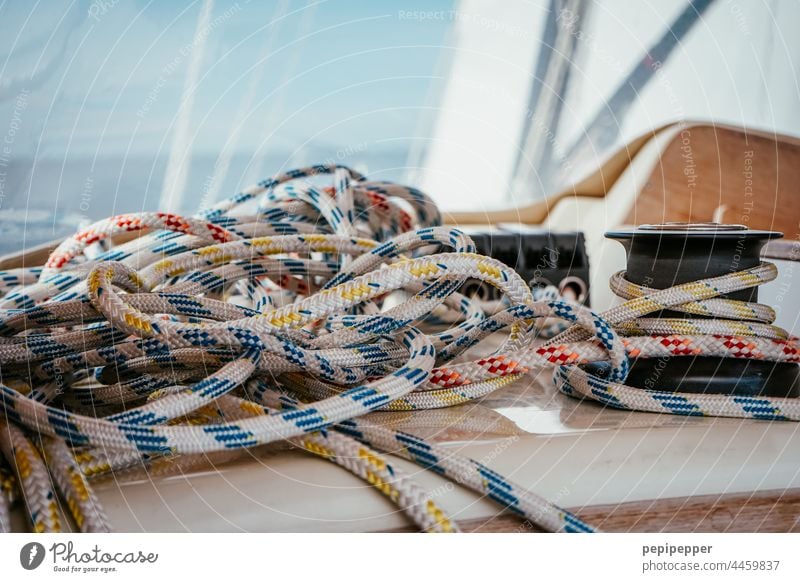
{"x":571,"y":452}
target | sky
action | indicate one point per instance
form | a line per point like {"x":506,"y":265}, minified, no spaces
{"x":110,"y":106}
{"x":108,"y":77}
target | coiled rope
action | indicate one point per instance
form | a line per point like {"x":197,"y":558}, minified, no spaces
{"x":274,"y":315}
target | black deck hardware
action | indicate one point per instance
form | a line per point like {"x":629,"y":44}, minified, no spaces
{"x":540,"y":256}
{"x":663,"y":255}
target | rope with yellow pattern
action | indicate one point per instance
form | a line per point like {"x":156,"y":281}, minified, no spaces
{"x":296,"y":311}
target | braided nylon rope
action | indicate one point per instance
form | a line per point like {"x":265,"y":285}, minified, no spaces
{"x":294,"y":311}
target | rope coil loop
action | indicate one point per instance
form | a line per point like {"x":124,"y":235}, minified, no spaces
{"x":294,"y":311}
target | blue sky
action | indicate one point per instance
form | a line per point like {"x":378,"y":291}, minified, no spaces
{"x":105,"y":78}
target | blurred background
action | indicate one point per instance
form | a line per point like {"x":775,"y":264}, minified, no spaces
{"x":115,"y":106}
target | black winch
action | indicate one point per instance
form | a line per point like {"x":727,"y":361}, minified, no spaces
{"x":664,"y":255}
